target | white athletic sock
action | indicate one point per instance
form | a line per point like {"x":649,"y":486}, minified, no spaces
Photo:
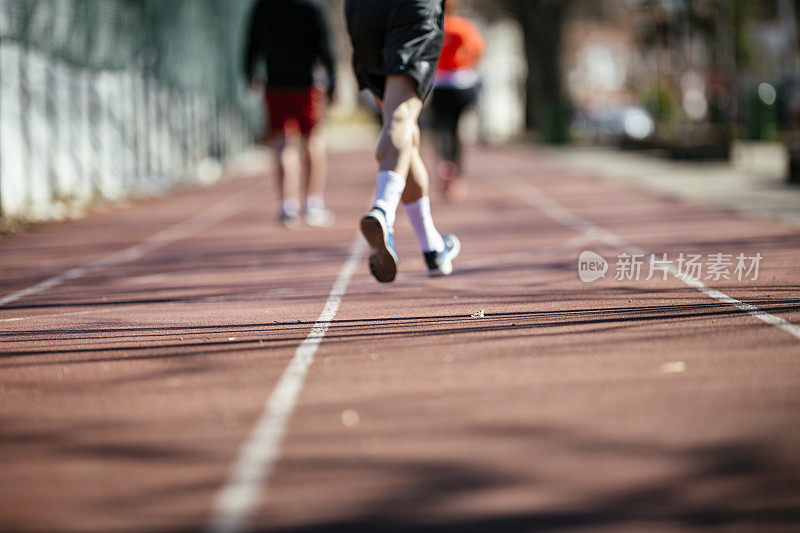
{"x":419,"y":213}
{"x":290,"y":206}
{"x":315,"y":201}
{"x":387,"y":196}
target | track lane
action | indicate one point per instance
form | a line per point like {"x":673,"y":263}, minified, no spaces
{"x":552,"y":412}
{"x":133,"y":415}
{"x":561,"y":408}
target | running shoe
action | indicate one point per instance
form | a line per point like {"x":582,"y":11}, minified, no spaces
{"x":290,"y":220}
{"x":383,"y":258}
{"x":456,"y":190}
{"x":319,"y":217}
{"x":441,"y":263}
{"x":453,"y":185}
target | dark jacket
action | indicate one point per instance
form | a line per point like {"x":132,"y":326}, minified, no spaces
{"x":288,"y":37}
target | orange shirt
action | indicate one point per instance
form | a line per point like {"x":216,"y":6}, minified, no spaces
{"x":463,"y":44}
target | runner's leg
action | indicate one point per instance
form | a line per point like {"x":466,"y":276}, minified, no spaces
{"x":288,"y":160}
{"x":316,"y":158}
{"x":398,"y":147}
{"x":316,"y":163}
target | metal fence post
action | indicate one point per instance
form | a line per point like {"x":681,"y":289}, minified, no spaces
{"x":25,"y":130}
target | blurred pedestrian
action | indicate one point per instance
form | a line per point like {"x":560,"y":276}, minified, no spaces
{"x":455,"y":89}
{"x":287,"y":39}
{"x":396,"y":46}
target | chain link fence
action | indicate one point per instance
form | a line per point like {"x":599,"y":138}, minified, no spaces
{"x":107,"y":99}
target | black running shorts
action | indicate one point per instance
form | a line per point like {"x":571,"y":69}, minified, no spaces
{"x":395,"y":37}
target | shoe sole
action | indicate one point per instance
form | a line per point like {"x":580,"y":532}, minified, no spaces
{"x":291,"y":223}
{"x":382,"y":262}
{"x":446,"y":268}
{"x":320,"y":223}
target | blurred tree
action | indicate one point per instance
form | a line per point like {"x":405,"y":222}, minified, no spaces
{"x":744,"y":11}
{"x":660,"y":102}
{"x":793,"y":174}
{"x":547,"y":109}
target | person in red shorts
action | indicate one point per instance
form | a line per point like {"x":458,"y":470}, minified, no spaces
{"x":287,"y":39}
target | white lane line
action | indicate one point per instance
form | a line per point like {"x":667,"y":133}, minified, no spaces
{"x":236,"y":501}
{"x":772,"y":320}
{"x":557,"y":213}
{"x":210,"y":216}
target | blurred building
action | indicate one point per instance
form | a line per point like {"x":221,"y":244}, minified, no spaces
{"x":692,"y":64}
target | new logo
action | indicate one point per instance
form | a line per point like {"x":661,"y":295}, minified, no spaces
{"x":591,"y":266}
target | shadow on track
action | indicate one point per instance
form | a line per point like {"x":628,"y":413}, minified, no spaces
{"x":272,"y":336}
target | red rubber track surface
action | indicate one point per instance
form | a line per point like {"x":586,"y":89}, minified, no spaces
{"x":126,"y":393}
